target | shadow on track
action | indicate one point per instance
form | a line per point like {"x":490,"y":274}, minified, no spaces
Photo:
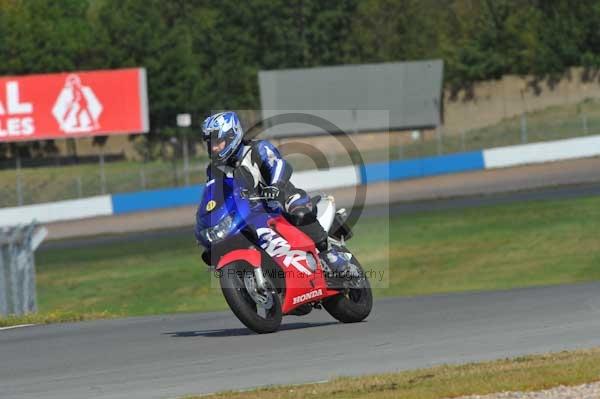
{"x":238,"y":332}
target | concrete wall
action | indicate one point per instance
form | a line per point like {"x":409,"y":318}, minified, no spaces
{"x":581,"y":147}
{"x":55,"y":211}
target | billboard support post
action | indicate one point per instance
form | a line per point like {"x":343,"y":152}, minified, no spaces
{"x":19,"y":178}
{"x":439,"y":126}
{"x":523,"y":128}
{"x":142,"y":177}
{"x":186,"y":160}
{"x":102,"y":171}
{"x":184,"y":121}
{"x":174,"y":145}
{"x":400,"y":150}
{"x":79,"y":186}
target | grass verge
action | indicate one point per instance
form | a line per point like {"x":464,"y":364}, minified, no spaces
{"x":53,"y":317}
{"x":528,"y":373}
{"x":488,"y":248}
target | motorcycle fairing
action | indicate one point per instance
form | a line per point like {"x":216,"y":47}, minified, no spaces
{"x":296,"y":255}
{"x":291,"y":250}
{"x":249,"y":255}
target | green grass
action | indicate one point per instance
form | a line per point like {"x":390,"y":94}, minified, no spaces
{"x":499,"y":247}
{"x":527,"y":373}
{"x":489,"y":248}
{"x":53,"y":317}
{"x":156,"y":276}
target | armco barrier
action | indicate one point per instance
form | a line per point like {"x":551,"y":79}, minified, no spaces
{"x":17,"y":268}
{"x":55,"y":211}
{"x":313,"y":180}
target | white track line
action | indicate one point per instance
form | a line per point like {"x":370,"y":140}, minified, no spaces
{"x":17,"y":326}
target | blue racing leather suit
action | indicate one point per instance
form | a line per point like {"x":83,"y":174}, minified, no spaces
{"x":261,"y":165}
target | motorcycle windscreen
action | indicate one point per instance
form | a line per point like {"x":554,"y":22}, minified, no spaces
{"x":215,"y":204}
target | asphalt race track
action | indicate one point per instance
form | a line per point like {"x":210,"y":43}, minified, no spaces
{"x":170,"y":356}
{"x":165,"y":357}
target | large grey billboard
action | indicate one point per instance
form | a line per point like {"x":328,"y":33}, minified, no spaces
{"x":354,"y":97}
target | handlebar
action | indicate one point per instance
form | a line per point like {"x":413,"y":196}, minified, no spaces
{"x":258,"y":198}
{"x":245,"y":194}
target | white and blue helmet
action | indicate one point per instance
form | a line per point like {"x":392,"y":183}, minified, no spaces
{"x":226,"y":127}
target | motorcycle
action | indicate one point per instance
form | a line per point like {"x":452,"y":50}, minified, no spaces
{"x":267,"y":267}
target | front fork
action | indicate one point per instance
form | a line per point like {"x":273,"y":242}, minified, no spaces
{"x":261,"y":282}
{"x":251,"y":256}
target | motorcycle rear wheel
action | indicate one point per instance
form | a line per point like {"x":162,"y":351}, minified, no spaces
{"x":355,"y":303}
{"x":260,"y":312}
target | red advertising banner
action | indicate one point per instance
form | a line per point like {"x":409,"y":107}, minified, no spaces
{"x":73,"y":104}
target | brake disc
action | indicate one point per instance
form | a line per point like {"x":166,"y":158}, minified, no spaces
{"x":264,"y":300}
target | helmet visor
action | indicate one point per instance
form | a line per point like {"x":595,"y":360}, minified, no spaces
{"x":217,"y":145}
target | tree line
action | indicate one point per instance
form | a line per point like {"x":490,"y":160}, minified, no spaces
{"x":204,"y":54}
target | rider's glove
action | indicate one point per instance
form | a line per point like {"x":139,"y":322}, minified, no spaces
{"x":271,"y":193}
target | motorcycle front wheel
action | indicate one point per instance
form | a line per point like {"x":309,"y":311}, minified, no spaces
{"x":257,"y":310}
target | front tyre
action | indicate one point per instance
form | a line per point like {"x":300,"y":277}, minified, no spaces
{"x":259,"y":311}
{"x":355,"y":302}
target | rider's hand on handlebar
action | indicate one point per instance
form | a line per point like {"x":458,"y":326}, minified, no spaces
{"x":271,"y":192}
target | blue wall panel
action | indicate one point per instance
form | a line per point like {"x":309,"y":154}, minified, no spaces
{"x":370,"y":173}
{"x":453,"y":163}
{"x":422,"y":167}
{"x":156,"y":199}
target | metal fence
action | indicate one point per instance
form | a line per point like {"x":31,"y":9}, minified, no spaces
{"x":23,"y":186}
{"x":17,"y":269}
{"x":532,"y":127}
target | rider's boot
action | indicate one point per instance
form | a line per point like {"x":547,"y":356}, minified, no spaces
{"x":334,"y":260}
{"x":338,"y":267}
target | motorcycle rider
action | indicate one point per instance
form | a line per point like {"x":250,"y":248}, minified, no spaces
{"x":263,"y":166}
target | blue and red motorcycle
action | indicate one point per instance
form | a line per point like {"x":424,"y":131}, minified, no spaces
{"x":267,"y":267}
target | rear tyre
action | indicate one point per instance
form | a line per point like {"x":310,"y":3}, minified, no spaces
{"x":355,"y":302}
{"x":260,"y":312}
